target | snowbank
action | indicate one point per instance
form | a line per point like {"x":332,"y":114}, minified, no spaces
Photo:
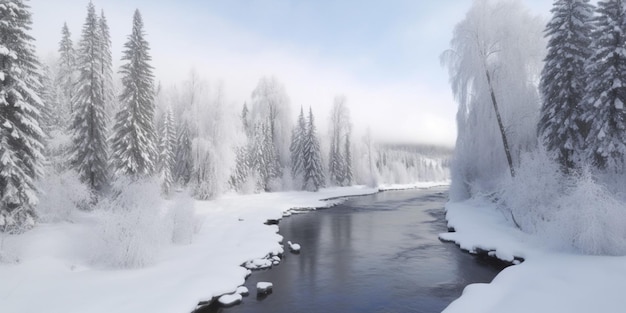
{"x":547,"y":281}
{"x":56,"y":272}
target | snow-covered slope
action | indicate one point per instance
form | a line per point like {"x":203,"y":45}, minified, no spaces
{"x":56,"y":271}
{"x":548,"y":280}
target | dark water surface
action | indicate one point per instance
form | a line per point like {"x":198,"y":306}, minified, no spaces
{"x":377,"y":253}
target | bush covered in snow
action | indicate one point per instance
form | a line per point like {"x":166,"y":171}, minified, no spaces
{"x":61,"y":194}
{"x":569,"y":211}
{"x":132,"y":228}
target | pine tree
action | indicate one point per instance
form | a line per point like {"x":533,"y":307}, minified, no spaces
{"x":263,"y":156}
{"x":66,"y":76}
{"x":89,"y":145}
{"x":605,"y":94}
{"x":297,"y":146}
{"x":348,"y":175}
{"x":106,"y":63}
{"x":20,"y":138}
{"x":245,"y":121}
{"x":133,"y":134}
{"x":166,"y":151}
{"x":183,"y":165}
{"x":563,"y":79}
{"x":314,"y":178}
{"x":242,"y":169}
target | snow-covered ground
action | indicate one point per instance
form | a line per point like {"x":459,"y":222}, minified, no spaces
{"x":56,"y":272}
{"x":549,"y":280}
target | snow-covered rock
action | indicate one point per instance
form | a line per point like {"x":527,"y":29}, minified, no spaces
{"x":294,"y":247}
{"x":230,"y":300}
{"x":258,"y":264}
{"x":264,"y":287}
{"x":242,"y":290}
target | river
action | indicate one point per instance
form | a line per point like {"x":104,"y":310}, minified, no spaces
{"x":377,"y":253}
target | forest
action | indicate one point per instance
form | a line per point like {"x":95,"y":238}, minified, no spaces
{"x":77,"y":133}
{"x":552,"y":99}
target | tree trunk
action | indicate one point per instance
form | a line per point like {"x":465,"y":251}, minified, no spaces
{"x":505,"y":142}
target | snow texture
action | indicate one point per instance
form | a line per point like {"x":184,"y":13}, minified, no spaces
{"x":58,"y":259}
{"x":547,"y":281}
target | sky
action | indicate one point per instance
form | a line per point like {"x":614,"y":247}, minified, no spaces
{"x":382,"y":55}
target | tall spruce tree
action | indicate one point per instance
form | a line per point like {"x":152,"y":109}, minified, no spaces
{"x":563,"y":79}
{"x":605,"y":94}
{"x":89,"y":119}
{"x":263,"y":156}
{"x":314,"y":177}
{"x":133,"y":134}
{"x":20,"y":138}
{"x":106,"y":63}
{"x":66,"y":76}
{"x":167,"y":144}
{"x":297,"y":146}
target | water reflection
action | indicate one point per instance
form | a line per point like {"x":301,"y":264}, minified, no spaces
{"x":371,"y":254}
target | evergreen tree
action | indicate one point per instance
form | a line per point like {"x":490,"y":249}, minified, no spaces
{"x":314,"y":177}
{"x":20,"y":138}
{"x":52,"y":114}
{"x":133,"y":134}
{"x":106,"y":63}
{"x":242,"y":169}
{"x":563,"y":79}
{"x":166,"y":151}
{"x":66,"y":76}
{"x":263,"y":156}
{"x":245,"y":121}
{"x":348,"y":175}
{"x":183,"y":165}
{"x":605,"y":94}
{"x":89,"y":145}
{"x":297,"y":146}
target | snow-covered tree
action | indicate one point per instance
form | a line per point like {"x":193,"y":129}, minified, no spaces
{"x":563,"y":79}
{"x":297,"y":146}
{"x":271,"y":104}
{"x":314,"y":177}
{"x":20,"y":104}
{"x":66,"y":76}
{"x":106,"y":63}
{"x":348,"y":174}
{"x":167,"y":144}
{"x":605,"y":94}
{"x":263,"y":157}
{"x":494,"y":62}
{"x":339,"y":130}
{"x":133,"y":140}
{"x":183,"y":165}
{"x":89,"y":145}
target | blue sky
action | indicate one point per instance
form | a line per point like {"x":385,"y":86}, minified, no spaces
{"x":383,"y":55}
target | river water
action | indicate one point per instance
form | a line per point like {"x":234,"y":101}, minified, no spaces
{"x":376,"y":253}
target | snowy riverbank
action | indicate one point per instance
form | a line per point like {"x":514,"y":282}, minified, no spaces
{"x":549,"y":280}
{"x":55,"y":272}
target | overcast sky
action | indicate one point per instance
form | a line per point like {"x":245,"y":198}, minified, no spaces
{"x":383,"y":55}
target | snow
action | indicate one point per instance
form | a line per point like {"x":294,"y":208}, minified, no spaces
{"x":57,"y":267}
{"x":549,"y":280}
{"x":263,"y":287}
{"x":242,"y":290}
{"x":231,"y":299}
{"x":294,"y":247}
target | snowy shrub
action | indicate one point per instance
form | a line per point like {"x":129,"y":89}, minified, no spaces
{"x":531,"y":195}
{"x":591,"y":218}
{"x":569,"y":212}
{"x":132,"y":230}
{"x":182,"y":219}
{"x":61,"y":194}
